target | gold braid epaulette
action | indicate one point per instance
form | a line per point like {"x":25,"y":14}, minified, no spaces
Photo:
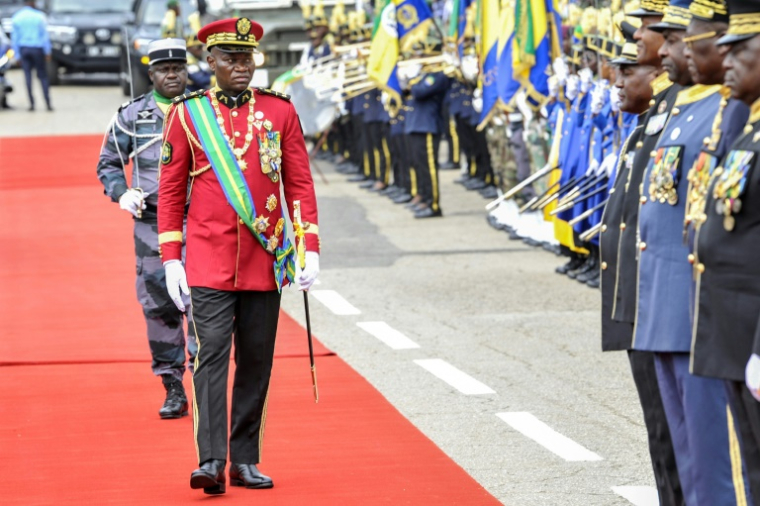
{"x":187,"y":96}
{"x":267,"y":91}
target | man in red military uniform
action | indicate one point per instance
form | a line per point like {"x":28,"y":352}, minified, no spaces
{"x":243,"y":153}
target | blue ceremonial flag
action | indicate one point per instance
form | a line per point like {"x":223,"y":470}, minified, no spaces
{"x":458,"y":23}
{"x":489,"y":53}
{"x":414,"y":20}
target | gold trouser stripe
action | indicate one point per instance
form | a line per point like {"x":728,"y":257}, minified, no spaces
{"x":413,"y":178}
{"x":387,"y":154}
{"x":366,"y":164}
{"x":454,"y":141}
{"x":192,"y":383}
{"x":433,"y":171}
{"x":346,"y":154}
{"x":263,"y":424}
{"x":376,"y":155}
{"x":736,"y":460}
{"x":488,"y":179}
{"x":336,"y":148}
{"x":473,"y":166}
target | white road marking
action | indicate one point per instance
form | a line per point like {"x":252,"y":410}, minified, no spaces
{"x":547,"y":437}
{"x":454,"y":377}
{"x":335,"y":302}
{"x":388,"y":335}
{"x":639,"y":496}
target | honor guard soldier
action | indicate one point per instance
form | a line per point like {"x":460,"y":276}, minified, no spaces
{"x":423,"y":127}
{"x":245,"y":156}
{"x":696,"y":407}
{"x":172,"y":26}
{"x":726,"y":342}
{"x":199,"y":75}
{"x":135,"y":132}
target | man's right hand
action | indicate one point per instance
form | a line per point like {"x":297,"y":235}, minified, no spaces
{"x":176,"y":280}
{"x":132,"y":200}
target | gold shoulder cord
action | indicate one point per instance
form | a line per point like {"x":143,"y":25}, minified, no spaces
{"x":193,"y":142}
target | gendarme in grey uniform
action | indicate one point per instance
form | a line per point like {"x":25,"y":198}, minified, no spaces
{"x":137,"y":129}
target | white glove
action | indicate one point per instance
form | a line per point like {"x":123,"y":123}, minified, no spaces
{"x":553,"y":86}
{"x":306,"y":276}
{"x":470,"y":67}
{"x":597,"y":99}
{"x":176,"y":280}
{"x":615,"y":100}
{"x":560,"y":70}
{"x":132,"y":200}
{"x":608,"y":165}
{"x":572,"y":87}
{"x":587,"y":77}
{"x":592,"y":167}
{"x":752,"y":376}
{"x":477,"y":104}
{"x":413,"y":71}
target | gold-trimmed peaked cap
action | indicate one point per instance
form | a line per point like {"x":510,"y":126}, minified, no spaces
{"x":628,"y":54}
{"x":650,"y":8}
{"x":710,"y":10}
{"x":743,"y":21}
{"x":232,"y":34}
{"x":677,"y":16}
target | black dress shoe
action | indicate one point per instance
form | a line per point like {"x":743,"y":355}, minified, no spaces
{"x":366,"y":185}
{"x":573,"y":264}
{"x":210,"y":477}
{"x":588,"y":265}
{"x":402,"y":198}
{"x":475,"y":184}
{"x":357,"y":178}
{"x":427,"y":212}
{"x":463,"y":180}
{"x":175,"y":405}
{"x":489,"y":192}
{"x":589,"y":275}
{"x":448,"y":166}
{"x":248,"y":476}
{"x":595,"y":282}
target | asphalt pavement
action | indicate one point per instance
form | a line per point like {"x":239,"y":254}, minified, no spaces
{"x":471,"y":336}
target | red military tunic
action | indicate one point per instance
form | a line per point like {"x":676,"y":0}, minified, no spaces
{"x":222,"y":253}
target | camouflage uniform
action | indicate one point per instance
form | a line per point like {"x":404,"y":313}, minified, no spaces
{"x":166,"y":335}
{"x":504,"y":166}
{"x":538,"y":148}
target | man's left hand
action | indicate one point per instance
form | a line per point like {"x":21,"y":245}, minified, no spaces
{"x":306,"y":276}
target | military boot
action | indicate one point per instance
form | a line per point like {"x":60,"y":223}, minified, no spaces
{"x":175,"y":405}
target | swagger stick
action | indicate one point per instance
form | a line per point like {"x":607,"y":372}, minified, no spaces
{"x":301,"y":251}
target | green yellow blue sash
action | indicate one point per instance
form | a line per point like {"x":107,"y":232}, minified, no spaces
{"x":230,"y":176}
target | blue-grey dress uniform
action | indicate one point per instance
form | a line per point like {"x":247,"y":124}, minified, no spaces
{"x":376,"y":121}
{"x":696,"y":407}
{"x":423,"y":126}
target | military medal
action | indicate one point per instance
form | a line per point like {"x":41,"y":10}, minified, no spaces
{"x":699,"y":180}
{"x":270,"y":152}
{"x":238,"y":152}
{"x":663,"y":180}
{"x":730,"y":186}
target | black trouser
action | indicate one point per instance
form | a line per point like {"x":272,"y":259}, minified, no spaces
{"x":368,"y":151}
{"x":34,"y":58}
{"x":345,"y":138}
{"x":400,"y":163}
{"x":466,"y":142}
{"x":660,"y":443}
{"x":450,"y":135}
{"x":482,"y":156}
{"x":251,"y":317}
{"x":423,"y":149}
{"x":747,"y":412}
{"x":379,"y":153}
{"x":357,"y":132}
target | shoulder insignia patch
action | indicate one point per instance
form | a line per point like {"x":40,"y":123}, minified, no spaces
{"x":187,"y":96}
{"x":267,"y":91}
{"x":166,"y":153}
{"x":129,"y":102}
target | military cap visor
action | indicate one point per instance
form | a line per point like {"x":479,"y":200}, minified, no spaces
{"x":744,"y":21}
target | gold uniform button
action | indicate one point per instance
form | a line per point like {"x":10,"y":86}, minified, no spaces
{"x":652,"y":154}
{"x":748,"y":129}
{"x":604,"y":266}
{"x":692,"y":258}
{"x":652,"y":102}
{"x":237,"y":134}
{"x":676,"y":111}
{"x":639,"y":145}
{"x":366,"y":106}
{"x":701,"y":268}
{"x":643,"y":200}
{"x":604,"y":228}
{"x":241,"y":221}
{"x":622,"y":226}
{"x":643,"y":246}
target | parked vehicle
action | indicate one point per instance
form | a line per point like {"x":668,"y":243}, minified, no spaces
{"x":7,"y":9}
{"x":86,"y":36}
{"x":6,"y":57}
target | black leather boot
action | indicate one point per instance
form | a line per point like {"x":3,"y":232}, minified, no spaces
{"x":248,"y":476}
{"x":210,"y":477}
{"x":175,"y":405}
{"x":575,"y":262}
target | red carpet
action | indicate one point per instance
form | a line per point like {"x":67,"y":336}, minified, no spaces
{"x":76,"y":431}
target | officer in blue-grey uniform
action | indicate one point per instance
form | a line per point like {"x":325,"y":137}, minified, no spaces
{"x":423,"y":127}
{"x":726,"y":338}
{"x":696,"y":407}
{"x":135,"y":133}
